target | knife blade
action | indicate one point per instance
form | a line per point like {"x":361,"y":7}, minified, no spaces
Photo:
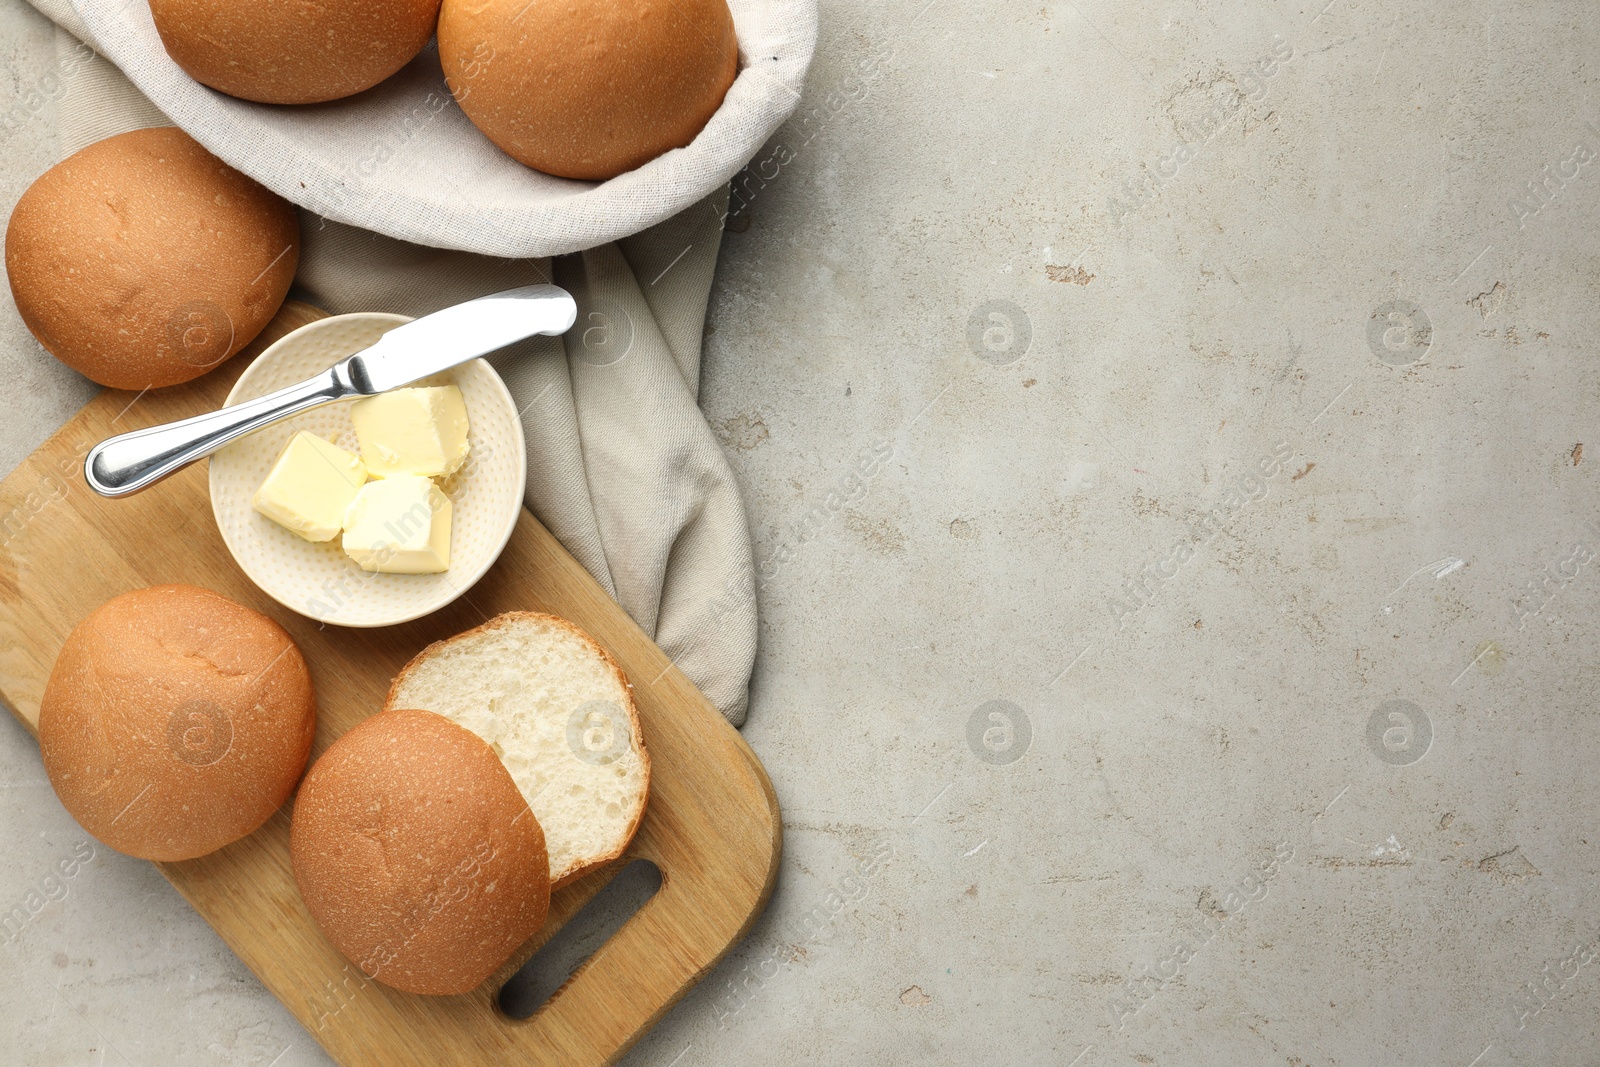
{"x":130,"y":462}
{"x":460,"y":333}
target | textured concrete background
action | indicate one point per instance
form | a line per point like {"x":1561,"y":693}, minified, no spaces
{"x":1162,"y":426}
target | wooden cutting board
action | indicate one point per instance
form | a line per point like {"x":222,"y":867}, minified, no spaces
{"x":712,"y":826}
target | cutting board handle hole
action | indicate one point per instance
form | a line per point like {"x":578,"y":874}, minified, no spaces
{"x":585,"y":934}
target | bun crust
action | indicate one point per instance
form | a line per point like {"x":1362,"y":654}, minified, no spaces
{"x":175,"y":721}
{"x":281,"y":53}
{"x":408,"y":685}
{"x":588,"y":90}
{"x":143,"y":260}
{"x":417,"y":855}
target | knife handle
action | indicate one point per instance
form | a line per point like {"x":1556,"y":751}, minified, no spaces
{"x":127,"y":463}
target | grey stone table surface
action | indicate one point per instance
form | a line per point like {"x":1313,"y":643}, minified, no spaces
{"x":1163,"y":432}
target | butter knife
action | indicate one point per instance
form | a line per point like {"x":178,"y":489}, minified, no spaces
{"x":129,"y":462}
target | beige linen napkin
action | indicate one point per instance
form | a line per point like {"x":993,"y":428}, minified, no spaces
{"x":622,"y":466}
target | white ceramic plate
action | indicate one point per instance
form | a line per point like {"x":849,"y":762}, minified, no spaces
{"x":317,"y":579}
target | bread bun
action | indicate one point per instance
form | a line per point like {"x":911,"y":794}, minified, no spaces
{"x":588,"y":90}
{"x":143,"y":260}
{"x":416,"y":854}
{"x":559,"y":713}
{"x":175,"y":721}
{"x":277,"y":53}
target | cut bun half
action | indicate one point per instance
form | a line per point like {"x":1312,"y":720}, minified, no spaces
{"x":559,"y":713}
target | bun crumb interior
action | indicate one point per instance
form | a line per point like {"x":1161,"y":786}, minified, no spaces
{"x":558,"y":712}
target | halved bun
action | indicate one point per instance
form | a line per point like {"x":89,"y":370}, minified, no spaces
{"x":558,"y":712}
{"x":175,"y":721}
{"x":416,"y":855}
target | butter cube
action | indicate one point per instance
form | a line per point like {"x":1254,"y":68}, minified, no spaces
{"x":310,"y":486}
{"x":399,"y":525}
{"x":412,"y":431}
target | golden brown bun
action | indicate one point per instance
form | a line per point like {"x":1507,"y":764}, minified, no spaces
{"x":588,"y":90}
{"x":416,"y":854}
{"x":175,"y":721}
{"x":143,"y":260}
{"x":524,"y":675}
{"x":293,"y":53}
